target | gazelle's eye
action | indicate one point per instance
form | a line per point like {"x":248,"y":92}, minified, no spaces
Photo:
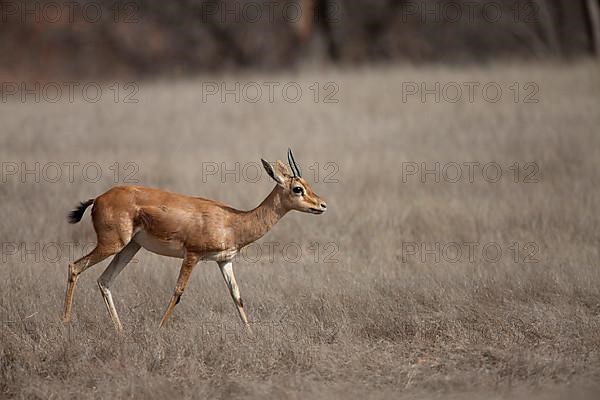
{"x":298,"y":190}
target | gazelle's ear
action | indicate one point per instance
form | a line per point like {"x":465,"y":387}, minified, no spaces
{"x":274,"y":173}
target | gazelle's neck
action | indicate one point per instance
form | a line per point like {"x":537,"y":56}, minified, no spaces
{"x":256,"y":223}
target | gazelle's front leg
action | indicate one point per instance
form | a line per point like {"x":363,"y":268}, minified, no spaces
{"x":227,"y":270}
{"x":188,"y":265}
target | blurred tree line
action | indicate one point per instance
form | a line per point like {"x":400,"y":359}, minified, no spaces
{"x":46,"y":39}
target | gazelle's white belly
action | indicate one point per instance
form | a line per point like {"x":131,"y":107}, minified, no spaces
{"x":176,"y":249}
{"x":220,"y":256}
{"x":159,"y":246}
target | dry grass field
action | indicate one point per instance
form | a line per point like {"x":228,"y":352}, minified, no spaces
{"x":478,"y":287}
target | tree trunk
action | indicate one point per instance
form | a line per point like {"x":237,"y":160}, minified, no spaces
{"x":547,"y":26}
{"x":593,"y":13}
{"x":305,"y":25}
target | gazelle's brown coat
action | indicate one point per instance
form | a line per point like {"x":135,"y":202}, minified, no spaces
{"x":127,"y":218}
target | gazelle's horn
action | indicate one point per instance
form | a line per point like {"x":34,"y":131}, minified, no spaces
{"x":293,"y":165}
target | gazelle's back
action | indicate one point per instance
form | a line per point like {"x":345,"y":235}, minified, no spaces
{"x":157,"y":216}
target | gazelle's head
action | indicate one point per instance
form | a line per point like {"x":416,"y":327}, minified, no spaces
{"x":297,"y":194}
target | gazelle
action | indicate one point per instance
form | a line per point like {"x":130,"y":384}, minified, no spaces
{"x":127,"y":218}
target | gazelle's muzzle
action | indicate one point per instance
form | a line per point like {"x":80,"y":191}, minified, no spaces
{"x":320,"y":209}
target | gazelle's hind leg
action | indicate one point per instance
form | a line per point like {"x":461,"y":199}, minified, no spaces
{"x":111,"y":239}
{"x":115,"y":267}
{"x":94,"y":257}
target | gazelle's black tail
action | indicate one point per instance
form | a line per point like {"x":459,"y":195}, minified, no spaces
{"x":76,"y":215}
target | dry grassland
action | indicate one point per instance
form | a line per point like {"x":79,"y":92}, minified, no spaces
{"x":384,"y":299}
